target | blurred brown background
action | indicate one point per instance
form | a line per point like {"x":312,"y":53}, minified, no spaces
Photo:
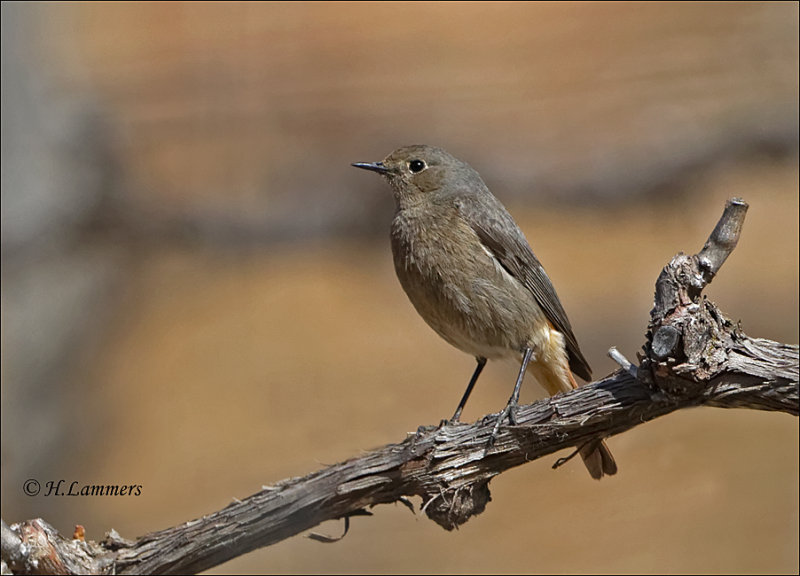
{"x":197,"y":289}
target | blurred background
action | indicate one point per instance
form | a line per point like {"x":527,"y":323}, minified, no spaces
{"x":198,"y":294}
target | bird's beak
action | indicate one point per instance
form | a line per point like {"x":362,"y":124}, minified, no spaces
{"x":372,"y":166}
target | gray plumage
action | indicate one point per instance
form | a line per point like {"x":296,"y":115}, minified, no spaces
{"x":472,"y":276}
{"x":501,"y":235}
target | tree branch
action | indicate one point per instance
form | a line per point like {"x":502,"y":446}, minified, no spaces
{"x":693,"y":356}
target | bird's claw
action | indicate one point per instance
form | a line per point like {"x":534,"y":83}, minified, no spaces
{"x":508,"y":412}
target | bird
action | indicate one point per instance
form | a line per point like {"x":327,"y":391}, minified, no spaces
{"x":471,"y":274}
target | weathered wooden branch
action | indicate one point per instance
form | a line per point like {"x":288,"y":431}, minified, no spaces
{"x":693,"y":356}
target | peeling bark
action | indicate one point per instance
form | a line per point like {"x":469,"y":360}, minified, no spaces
{"x":693,"y":356}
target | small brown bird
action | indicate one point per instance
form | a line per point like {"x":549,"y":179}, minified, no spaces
{"x":470,"y":273}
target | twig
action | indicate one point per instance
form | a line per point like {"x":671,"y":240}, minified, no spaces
{"x":623,"y":362}
{"x":693,"y":356}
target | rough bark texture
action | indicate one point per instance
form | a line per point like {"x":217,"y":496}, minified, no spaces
{"x":693,"y":356}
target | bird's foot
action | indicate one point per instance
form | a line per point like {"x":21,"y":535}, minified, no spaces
{"x":508,"y":412}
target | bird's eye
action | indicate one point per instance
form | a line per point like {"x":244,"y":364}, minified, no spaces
{"x":416,"y":166}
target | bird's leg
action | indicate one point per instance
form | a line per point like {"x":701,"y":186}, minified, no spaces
{"x":468,"y":391}
{"x":508,"y":411}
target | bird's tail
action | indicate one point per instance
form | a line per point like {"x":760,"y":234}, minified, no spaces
{"x":556,"y":377}
{"x":598,"y":459}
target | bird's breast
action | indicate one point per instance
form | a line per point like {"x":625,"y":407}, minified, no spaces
{"x":459,"y":288}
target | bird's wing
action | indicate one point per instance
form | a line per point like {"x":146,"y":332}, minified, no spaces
{"x":502,"y":237}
